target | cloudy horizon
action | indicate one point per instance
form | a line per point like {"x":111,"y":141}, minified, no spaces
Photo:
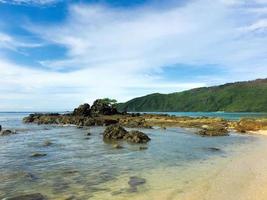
{"x":56,"y":54}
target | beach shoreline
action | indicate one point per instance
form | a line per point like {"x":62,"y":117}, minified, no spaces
{"x":241,"y":176}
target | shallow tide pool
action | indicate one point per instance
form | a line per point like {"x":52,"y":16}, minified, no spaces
{"x":77,"y":166}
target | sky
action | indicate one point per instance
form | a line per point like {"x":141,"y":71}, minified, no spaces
{"x":57,"y":54}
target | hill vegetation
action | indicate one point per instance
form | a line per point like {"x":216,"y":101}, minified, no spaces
{"x":249,"y":96}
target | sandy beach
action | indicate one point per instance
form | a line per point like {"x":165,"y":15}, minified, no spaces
{"x":242,"y":176}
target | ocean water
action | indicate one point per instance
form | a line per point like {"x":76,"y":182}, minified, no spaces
{"x":224,"y":115}
{"x":83,"y":167}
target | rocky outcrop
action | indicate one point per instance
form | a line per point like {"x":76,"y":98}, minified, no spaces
{"x":247,"y":125}
{"x":217,"y":130}
{"x":82,"y":110}
{"x":101,"y":107}
{"x":116,"y":132}
{"x":134,"y":122}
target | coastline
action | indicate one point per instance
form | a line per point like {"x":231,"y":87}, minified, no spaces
{"x":260,"y":132}
{"x":242,"y":176}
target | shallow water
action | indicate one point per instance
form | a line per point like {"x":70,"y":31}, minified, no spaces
{"x":224,"y":115}
{"x":77,"y":166}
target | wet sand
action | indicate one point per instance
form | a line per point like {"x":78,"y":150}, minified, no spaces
{"x":242,"y":176}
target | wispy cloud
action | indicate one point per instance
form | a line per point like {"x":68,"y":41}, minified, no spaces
{"x":30,"y":2}
{"x":11,"y":43}
{"x":121,"y":53}
{"x":147,"y":39}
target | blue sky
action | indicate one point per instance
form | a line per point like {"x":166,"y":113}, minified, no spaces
{"x":56,"y":54}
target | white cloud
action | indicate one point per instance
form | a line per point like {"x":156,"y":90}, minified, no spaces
{"x":11,"y":43}
{"x":47,"y":90}
{"x":120,"y":53}
{"x":148,"y":39}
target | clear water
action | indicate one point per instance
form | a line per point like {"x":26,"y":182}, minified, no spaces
{"x":224,"y":115}
{"x":84,"y":167}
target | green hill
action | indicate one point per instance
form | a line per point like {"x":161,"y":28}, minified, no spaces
{"x":249,"y":96}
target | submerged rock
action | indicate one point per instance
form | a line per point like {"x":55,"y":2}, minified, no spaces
{"x":6,"y":132}
{"x":47,"y":143}
{"x":35,"y":196}
{"x":212,"y":149}
{"x":38,"y":154}
{"x":117,"y":146}
{"x":142,"y":148}
{"x":134,"y":182}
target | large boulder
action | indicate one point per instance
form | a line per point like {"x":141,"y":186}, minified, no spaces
{"x":114,"y":132}
{"x":82,"y":110}
{"x":136,"y":137}
{"x":102,"y":107}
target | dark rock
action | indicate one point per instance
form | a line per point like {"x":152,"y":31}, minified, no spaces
{"x":87,"y":138}
{"x":82,"y":110}
{"x":47,"y":143}
{"x":142,"y":148}
{"x":136,"y":137}
{"x":213,"y":149}
{"x":7,"y":132}
{"x":38,"y":154}
{"x":35,"y":196}
{"x":117,"y":146}
{"x":134,"y":182}
{"x":108,"y":122}
{"x":102,"y":107}
{"x":30,"y":176}
{"x":0,"y":128}
{"x":88,"y":134}
{"x":114,"y":132}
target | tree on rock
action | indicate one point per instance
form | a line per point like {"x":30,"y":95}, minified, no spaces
{"x":104,"y":106}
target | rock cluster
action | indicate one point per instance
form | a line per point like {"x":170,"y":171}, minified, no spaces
{"x":116,"y":132}
{"x":246,"y":125}
{"x":217,"y":130}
